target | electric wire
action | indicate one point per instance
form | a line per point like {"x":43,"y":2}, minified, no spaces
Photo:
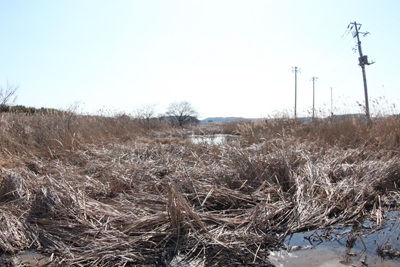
{"x":337,"y":83}
{"x":345,"y":77}
{"x":370,"y":44}
{"x":338,"y":66}
{"x":330,"y":52}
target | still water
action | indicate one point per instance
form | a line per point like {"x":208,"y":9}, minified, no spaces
{"x":215,"y":139}
{"x":362,"y":244}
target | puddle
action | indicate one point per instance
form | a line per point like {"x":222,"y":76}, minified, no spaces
{"x":28,"y":258}
{"x":215,"y":139}
{"x":364,"y":244}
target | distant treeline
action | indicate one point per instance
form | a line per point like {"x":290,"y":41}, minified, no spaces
{"x":188,"y":119}
{"x":28,"y":110}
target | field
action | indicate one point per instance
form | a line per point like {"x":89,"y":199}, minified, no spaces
{"x":115,"y":191}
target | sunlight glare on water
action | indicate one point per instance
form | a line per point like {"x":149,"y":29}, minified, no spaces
{"x":212,"y":139}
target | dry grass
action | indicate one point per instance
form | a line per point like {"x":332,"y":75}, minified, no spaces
{"x":384,"y":132}
{"x":45,"y":135}
{"x":107,"y":192}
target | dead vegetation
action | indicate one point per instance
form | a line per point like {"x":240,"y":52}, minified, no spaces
{"x":96,"y":191}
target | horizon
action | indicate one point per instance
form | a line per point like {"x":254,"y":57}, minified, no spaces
{"x":76,"y":108}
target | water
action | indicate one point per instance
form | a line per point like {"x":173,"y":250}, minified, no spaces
{"x":215,"y":139}
{"x":362,"y":244}
{"x":29,"y":258}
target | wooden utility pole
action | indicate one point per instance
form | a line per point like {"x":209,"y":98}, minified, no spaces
{"x":331,"y":104}
{"x":314,"y":79}
{"x":363,"y":60}
{"x":295,"y":70}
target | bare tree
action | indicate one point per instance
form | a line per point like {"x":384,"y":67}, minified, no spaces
{"x":71,"y":113}
{"x":146,"y":112}
{"x":181,"y":113}
{"x":6,"y":93}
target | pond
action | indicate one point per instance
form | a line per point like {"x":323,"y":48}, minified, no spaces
{"x":214,"y":139}
{"x":361,"y":244}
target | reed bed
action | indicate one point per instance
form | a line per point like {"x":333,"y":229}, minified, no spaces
{"x":115,"y":201}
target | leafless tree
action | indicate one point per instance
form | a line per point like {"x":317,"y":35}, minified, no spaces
{"x":71,"y":113}
{"x":181,"y":113}
{"x":146,"y":112}
{"x":7,"y":92}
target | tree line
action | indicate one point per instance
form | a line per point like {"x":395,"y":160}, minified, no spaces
{"x":178,"y":113}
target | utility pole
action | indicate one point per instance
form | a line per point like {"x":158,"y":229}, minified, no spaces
{"x":314,"y":79}
{"x":331,"y":104}
{"x":295,"y":70}
{"x":363,"y":60}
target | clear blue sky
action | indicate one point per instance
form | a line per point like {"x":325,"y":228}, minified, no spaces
{"x":227,"y":58}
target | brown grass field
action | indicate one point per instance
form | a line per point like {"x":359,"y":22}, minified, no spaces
{"x":114,"y":191}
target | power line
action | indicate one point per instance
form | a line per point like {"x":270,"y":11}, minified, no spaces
{"x":369,"y":41}
{"x":338,"y":66}
{"x":331,"y":52}
{"x":334,"y":46}
{"x":345,"y":77}
{"x":332,"y":55}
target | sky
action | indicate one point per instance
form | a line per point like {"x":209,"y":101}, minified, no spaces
{"x":226,"y":58}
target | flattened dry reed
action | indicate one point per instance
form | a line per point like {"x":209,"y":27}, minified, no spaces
{"x":143,"y":203}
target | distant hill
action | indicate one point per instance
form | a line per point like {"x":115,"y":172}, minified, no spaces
{"x":221,"y":119}
{"x":303,"y":119}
